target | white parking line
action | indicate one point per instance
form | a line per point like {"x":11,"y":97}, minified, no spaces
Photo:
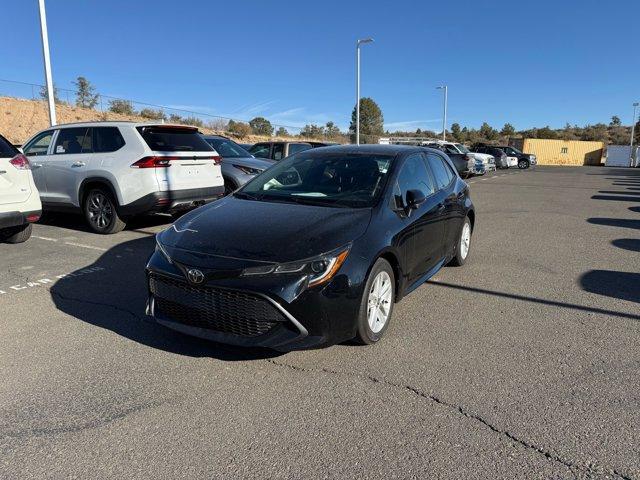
{"x":44,"y":238}
{"x":82,"y":245}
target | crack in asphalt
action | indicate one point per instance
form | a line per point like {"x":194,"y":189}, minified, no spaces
{"x":464,"y":412}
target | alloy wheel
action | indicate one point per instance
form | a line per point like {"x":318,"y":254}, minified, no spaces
{"x":465,"y":240}
{"x":100,"y":210}
{"x":379,"y":302}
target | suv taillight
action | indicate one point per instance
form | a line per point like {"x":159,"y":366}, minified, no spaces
{"x":20,"y":162}
{"x":165,"y":162}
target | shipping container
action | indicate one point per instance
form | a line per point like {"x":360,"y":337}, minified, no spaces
{"x":620,"y":155}
{"x":561,"y":152}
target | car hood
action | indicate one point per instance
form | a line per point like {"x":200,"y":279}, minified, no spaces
{"x":264,"y":231}
{"x":251,"y":162}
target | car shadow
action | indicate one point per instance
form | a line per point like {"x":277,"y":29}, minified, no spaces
{"x":111,"y":293}
{"x":618,"y":198}
{"x":74,"y":221}
{"x":632,"y":244}
{"x":611,"y":283}
{"x":615,"y":222}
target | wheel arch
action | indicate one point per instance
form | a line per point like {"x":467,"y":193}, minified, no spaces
{"x":394,"y":261}
{"x":93,"y":182}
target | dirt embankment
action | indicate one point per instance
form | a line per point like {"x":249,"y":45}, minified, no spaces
{"x":21,"y":118}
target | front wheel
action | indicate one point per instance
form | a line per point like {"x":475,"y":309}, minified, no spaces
{"x":16,"y":234}
{"x":101,"y":214}
{"x":376,"y":305}
{"x":463,"y":245}
{"x":522,"y":164}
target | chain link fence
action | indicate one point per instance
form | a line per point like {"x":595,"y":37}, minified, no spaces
{"x":29,"y":118}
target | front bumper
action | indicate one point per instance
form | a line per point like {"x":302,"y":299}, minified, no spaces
{"x":172,"y":200}
{"x":279,"y":313}
{"x":15,"y":219}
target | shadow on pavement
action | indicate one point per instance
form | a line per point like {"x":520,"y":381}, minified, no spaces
{"x":113,"y":296}
{"x":635,"y":209}
{"x":611,"y":283}
{"x":619,"y":198}
{"x":73,"y":221}
{"x":616,"y":222}
{"x":525,"y":298}
{"x":632,"y":244}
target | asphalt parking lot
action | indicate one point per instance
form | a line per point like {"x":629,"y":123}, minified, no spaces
{"x":524,"y":363}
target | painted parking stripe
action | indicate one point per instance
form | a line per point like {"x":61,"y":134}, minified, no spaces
{"x":46,"y":281}
{"x":82,"y":245}
{"x":44,"y":238}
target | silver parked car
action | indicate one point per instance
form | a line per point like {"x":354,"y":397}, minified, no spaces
{"x":238,"y":165}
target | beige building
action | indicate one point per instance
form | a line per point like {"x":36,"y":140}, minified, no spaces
{"x":561,"y":152}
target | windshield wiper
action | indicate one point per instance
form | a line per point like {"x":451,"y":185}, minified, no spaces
{"x":248,"y":196}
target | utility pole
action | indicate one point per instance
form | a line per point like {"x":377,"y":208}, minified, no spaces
{"x":444,"y":118}
{"x":633,"y":131}
{"x":358,"y":43}
{"x":47,"y":63}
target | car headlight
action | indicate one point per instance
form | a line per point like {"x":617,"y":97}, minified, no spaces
{"x":248,"y":170}
{"x":162,"y":250}
{"x":318,"y":270}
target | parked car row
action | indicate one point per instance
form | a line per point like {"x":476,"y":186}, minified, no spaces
{"x":506,"y":156}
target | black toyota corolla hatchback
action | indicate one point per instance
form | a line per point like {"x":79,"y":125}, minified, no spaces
{"x":314,"y":251}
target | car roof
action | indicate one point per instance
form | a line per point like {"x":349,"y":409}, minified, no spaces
{"x":371,"y":148}
{"x":118,"y":123}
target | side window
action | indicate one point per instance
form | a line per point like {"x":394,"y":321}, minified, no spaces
{"x":298,"y":147}
{"x":87,"y":142}
{"x":70,"y":140}
{"x":39,"y":145}
{"x":260,"y":150}
{"x":441,"y":171}
{"x":278,"y":151}
{"x":107,"y":139}
{"x":412,"y":176}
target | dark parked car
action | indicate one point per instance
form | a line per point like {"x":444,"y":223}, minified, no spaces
{"x":278,"y":150}
{"x":238,"y":165}
{"x":515,"y":156}
{"x":316,"y":250}
{"x":466,"y":163}
{"x":498,"y":154}
{"x":322,"y":144}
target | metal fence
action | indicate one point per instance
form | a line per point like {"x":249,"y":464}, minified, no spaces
{"x":113,"y":108}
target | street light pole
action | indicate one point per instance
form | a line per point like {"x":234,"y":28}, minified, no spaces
{"x":633,"y":131}
{"x":47,"y":63}
{"x":444,"y":118}
{"x":358,"y":43}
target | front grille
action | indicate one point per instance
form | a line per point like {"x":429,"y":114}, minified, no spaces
{"x":219,"y":309}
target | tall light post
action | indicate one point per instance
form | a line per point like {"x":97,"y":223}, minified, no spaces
{"x":358,"y":43}
{"x":47,"y":63}
{"x":633,"y":130}
{"x":444,"y":118}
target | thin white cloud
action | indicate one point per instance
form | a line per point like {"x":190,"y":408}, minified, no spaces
{"x":411,"y":124}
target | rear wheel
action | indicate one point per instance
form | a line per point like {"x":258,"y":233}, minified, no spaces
{"x":101,"y":214}
{"x":376,"y":305}
{"x":463,"y":245}
{"x":16,"y":234}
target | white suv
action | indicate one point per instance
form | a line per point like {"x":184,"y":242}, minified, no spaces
{"x":111,"y":171}
{"x":19,"y":200}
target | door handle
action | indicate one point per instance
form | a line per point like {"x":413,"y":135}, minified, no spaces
{"x":78,"y":164}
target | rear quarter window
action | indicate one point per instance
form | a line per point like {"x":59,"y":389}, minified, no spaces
{"x":172,"y":139}
{"x":6,"y":149}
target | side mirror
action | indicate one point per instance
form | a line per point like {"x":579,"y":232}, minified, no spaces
{"x":415,"y":198}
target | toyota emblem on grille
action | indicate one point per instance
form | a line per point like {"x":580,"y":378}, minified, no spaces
{"x":195,"y":276}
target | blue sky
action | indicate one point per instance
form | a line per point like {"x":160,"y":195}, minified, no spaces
{"x":530,"y":64}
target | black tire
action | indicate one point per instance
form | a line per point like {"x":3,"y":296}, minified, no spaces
{"x":459,"y":257}
{"x":17,"y":234}
{"x":522,"y":164}
{"x":100,"y":211}
{"x":365,"y":335}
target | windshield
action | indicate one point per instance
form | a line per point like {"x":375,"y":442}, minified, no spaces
{"x":462,"y":148}
{"x":227,"y":148}
{"x":318,"y":178}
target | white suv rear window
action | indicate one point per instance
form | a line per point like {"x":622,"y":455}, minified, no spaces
{"x":174,"y":139}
